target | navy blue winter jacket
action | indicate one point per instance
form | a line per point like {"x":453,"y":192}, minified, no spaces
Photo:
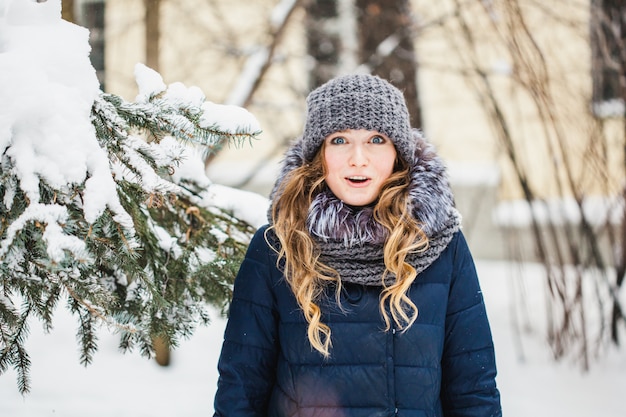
{"x":443,"y":365}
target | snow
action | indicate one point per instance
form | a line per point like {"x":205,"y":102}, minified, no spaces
{"x":230,"y":118}
{"x":280,"y":13}
{"x":57,"y":241}
{"x":245,"y":205}
{"x":149,"y":82}
{"x":47,"y":89}
{"x":598,"y":211}
{"x":121,"y":385}
{"x":45,"y":76}
{"x":227,"y":117}
{"x":609,"y":108}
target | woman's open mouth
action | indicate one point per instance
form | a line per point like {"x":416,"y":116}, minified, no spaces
{"x":357,"y":179}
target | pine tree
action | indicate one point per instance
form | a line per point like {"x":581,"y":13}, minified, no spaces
{"x":147,"y":268}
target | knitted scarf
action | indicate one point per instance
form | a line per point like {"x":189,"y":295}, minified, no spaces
{"x":352,"y":242}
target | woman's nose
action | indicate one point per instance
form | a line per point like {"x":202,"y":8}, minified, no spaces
{"x":358,"y":156}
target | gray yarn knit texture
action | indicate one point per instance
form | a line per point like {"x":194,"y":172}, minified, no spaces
{"x":357,"y":101}
{"x":364,"y":264}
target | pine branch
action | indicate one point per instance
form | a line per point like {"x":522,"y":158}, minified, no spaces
{"x":147,"y":265}
{"x":14,"y":353}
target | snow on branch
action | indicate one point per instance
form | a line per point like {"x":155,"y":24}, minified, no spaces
{"x":99,"y":207}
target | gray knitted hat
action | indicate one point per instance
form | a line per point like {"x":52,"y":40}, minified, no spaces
{"x":357,"y":101}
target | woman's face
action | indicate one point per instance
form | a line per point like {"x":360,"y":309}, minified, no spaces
{"x":357,"y":164}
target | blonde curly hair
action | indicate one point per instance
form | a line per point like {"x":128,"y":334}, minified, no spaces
{"x":308,"y":277}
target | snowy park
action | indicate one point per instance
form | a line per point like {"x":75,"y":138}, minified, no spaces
{"x":44,"y":89}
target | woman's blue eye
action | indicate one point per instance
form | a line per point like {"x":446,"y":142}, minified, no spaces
{"x":378,"y":139}
{"x":338,"y":140}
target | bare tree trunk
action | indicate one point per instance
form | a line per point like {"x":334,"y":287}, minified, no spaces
{"x":386,"y":47}
{"x":67,"y":10}
{"x":614,"y":19}
{"x":322,"y":44}
{"x":619,"y":9}
{"x":372,"y":36}
{"x":153,"y":32}
{"x":331,"y":39}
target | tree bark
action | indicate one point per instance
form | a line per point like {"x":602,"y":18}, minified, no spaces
{"x":371,"y":36}
{"x":67,"y":10}
{"x":323,"y":43}
{"x":153,"y":32}
{"x":386,"y":47}
{"x":608,"y":39}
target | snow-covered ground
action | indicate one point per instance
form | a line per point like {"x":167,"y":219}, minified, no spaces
{"x":129,"y":385}
{"x":37,"y":58}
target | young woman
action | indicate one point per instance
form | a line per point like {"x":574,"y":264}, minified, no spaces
{"x":360,"y":298}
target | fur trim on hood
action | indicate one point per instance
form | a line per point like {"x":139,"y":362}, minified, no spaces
{"x":430,"y":195}
{"x":337,"y":227}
